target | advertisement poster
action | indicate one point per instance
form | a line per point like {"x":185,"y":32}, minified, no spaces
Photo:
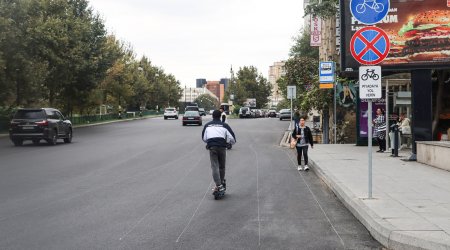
{"x":316,"y":30}
{"x":418,"y":30}
{"x":363,"y":108}
{"x":346,"y":94}
{"x":250,"y":102}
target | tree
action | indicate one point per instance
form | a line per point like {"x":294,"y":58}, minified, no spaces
{"x":302,"y":46}
{"x":250,"y":84}
{"x":322,"y":8}
{"x":207,"y":102}
{"x":302,"y":72}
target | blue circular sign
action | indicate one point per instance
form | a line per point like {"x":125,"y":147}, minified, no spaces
{"x":369,"y":11}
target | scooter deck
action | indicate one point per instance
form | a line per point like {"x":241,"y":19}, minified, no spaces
{"x":218,"y":195}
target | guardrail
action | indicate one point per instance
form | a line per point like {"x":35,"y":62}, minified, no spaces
{"x":88,"y":119}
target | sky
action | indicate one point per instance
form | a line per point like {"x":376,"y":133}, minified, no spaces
{"x":193,"y":39}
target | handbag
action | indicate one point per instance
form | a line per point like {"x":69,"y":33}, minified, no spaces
{"x":293,"y":143}
{"x":406,"y":130}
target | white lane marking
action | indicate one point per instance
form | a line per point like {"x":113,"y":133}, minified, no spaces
{"x":257,"y":193}
{"x":315,"y":198}
{"x":161,"y":200}
{"x":195,"y":212}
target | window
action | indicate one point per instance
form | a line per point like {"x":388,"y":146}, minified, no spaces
{"x":29,"y":114}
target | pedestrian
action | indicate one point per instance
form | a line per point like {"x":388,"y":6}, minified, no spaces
{"x":404,"y":126}
{"x":296,"y":116}
{"x":223,"y":115}
{"x":304,"y":137}
{"x":380,"y":129}
{"x":217,"y":135}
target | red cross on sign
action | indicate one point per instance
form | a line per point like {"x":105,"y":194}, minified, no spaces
{"x":370,"y":45}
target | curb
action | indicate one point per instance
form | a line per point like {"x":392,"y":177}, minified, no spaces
{"x":382,"y":231}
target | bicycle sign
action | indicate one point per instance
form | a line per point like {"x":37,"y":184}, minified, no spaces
{"x":369,"y":45}
{"x":369,"y":11}
{"x":370,"y":82}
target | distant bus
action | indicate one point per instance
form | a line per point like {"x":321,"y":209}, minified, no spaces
{"x":225,"y":107}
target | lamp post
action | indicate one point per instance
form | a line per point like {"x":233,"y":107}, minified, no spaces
{"x":157,"y":99}
{"x":18,"y":100}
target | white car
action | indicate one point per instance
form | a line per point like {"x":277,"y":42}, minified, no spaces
{"x":170,"y":113}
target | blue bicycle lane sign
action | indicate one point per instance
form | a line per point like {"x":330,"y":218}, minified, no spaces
{"x":369,"y":11}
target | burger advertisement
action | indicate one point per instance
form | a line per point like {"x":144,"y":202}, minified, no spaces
{"x":418,"y":31}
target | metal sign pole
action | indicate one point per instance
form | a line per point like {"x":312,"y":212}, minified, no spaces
{"x":334,"y":123}
{"x":369,"y":132}
{"x":292,"y":97}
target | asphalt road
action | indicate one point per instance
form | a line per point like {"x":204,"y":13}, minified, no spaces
{"x":146,"y":184}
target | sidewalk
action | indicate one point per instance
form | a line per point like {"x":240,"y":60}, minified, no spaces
{"x":410,"y":208}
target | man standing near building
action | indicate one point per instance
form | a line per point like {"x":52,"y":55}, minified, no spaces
{"x":217,"y":135}
{"x":223,"y":115}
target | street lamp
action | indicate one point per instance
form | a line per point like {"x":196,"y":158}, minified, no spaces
{"x":156,"y":85}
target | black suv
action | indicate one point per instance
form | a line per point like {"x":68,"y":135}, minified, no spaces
{"x":37,"y":124}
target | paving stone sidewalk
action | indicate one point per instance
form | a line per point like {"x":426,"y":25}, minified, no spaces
{"x":410,"y":208}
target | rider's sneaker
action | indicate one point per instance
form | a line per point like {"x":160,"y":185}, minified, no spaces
{"x":224,"y":184}
{"x":299,"y":168}
{"x":306,"y":168}
{"x":218,"y":188}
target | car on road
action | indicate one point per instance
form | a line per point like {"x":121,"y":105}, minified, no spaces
{"x":202,"y":111}
{"x":244,"y":112}
{"x":170,"y":113}
{"x":192,"y":117}
{"x":211,"y":111}
{"x":39,"y":124}
{"x":272,"y":113}
{"x":285,"y":114}
{"x":191,"y":108}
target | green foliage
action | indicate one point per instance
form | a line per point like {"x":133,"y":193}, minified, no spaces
{"x":207,"y":102}
{"x":303,"y":73}
{"x":236,"y":109}
{"x":322,"y":8}
{"x":57,"y":53}
{"x":250,"y":84}
{"x":302,"y":46}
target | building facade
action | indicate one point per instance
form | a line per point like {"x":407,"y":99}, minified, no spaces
{"x":200,"y":83}
{"x":214,"y":87}
{"x":190,"y":94}
{"x":276,"y":71}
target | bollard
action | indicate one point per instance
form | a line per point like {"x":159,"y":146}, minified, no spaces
{"x":394,"y":129}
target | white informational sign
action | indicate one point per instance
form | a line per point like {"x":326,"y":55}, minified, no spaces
{"x":291,"y":92}
{"x":370,"y":82}
{"x":326,"y":72}
{"x":316,"y":30}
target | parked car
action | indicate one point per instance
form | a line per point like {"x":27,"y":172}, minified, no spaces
{"x":202,"y":111}
{"x":192,"y":117}
{"x":272,"y":113}
{"x":39,"y":124}
{"x":285,"y":114}
{"x":258,"y":113}
{"x":244,"y":112}
{"x":170,"y":113}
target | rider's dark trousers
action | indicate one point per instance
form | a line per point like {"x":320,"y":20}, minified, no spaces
{"x":218,"y":155}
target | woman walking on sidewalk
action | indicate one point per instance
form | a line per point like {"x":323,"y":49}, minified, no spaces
{"x":303,"y":135}
{"x":380,"y":130}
